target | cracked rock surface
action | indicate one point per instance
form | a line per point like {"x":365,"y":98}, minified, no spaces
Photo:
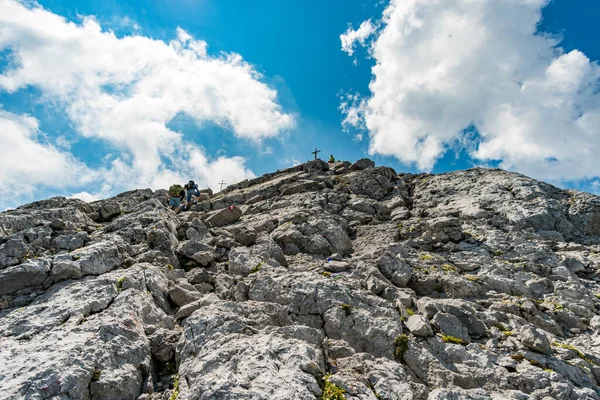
{"x":477,"y":284}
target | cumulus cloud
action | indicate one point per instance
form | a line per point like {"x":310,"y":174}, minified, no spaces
{"x":443,"y":67}
{"x":352,"y":36}
{"x":125,"y":91}
{"x":26,"y":162}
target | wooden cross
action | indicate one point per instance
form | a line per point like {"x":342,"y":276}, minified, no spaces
{"x":316,"y":152}
{"x":222,"y":183}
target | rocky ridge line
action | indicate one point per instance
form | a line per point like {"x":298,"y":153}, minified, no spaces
{"x":311,"y":281}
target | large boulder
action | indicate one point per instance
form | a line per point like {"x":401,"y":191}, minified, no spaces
{"x":419,"y":326}
{"x":225,"y":216}
{"x":29,"y":274}
{"x":535,"y":340}
{"x":363,"y":163}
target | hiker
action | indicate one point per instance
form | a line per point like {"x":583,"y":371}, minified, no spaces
{"x":175,"y":197}
{"x":331,"y":159}
{"x":191,"y":190}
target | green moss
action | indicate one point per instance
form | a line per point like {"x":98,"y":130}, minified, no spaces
{"x":400,"y":345}
{"x":500,"y":327}
{"x":503,"y":329}
{"x":120,"y":283}
{"x":96,"y":375}
{"x":331,"y":391}
{"x":449,"y":268}
{"x":471,"y":278}
{"x":454,"y":340}
{"x":535,"y":363}
{"x":579,"y":353}
{"x":175,"y":393}
{"x":169,"y":267}
{"x":498,"y":253}
{"x":347,"y":308}
{"x":426,"y":257}
{"x":326,"y":274}
{"x":410,"y":312}
{"x":257,"y":267}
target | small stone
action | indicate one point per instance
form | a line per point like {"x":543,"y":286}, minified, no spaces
{"x":419,"y":326}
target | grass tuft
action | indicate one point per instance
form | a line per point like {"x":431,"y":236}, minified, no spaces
{"x":120,"y":283}
{"x":453,"y":339}
{"x":400,"y":345}
{"x":331,"y":391}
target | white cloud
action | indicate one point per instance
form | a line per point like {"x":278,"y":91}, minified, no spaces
{"x":26,"y":162}
{"x":360,"y":35}
{"x":125,"y":91}
{"x":444,"y":66}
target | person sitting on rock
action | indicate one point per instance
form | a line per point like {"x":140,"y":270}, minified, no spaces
{"x":191,"y":190}
{"x":175,"y":197}
{"x":331,"y":159}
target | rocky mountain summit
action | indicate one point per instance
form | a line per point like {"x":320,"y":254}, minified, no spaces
{"x":347,"y":281}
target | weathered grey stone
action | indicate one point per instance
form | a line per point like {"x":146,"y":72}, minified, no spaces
{"x":30,"y":274}
{"x":336,"y":266}
{"x":197,"y":275}
{"x":181,"y":296}
{"x":109,"y":210}
{"x":363,"y":163}
{"x":225,"y":216}
{"x":448,"y":324}
{"x":162,"y":344}
{"x":394,"y":269}
{"x":534,"y":339}
{"x":419,"y":326}
{"x":98,"y":258}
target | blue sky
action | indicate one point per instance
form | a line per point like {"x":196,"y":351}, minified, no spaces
{"x":439,"y":98}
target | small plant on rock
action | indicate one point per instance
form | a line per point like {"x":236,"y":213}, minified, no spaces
{"x":400,"y":345}
{"x":326,"y":274}
{"x":410,"y":312}
{"x":425,"y":257}
{"x":175,"y":393}
{"x":331,"y":391}
{"x":449,"y":268}
{"x":120,"y":283}
{"x":471,"y":278}
{"x":453,"y":339}
{"x":96,"y":375}
{"x":257,"y":267}
{"x":579,"y":353}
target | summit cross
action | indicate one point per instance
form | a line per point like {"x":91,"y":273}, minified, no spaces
{"x":316,"y":152}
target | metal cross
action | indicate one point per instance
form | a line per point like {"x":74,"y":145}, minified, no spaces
{"x":222,"y":183}
{"x":316,"y":152}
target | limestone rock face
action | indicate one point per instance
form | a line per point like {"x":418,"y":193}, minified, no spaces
{"x":477,"y":284}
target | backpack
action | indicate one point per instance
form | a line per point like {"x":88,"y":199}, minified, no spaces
{"x":174,"y":190}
